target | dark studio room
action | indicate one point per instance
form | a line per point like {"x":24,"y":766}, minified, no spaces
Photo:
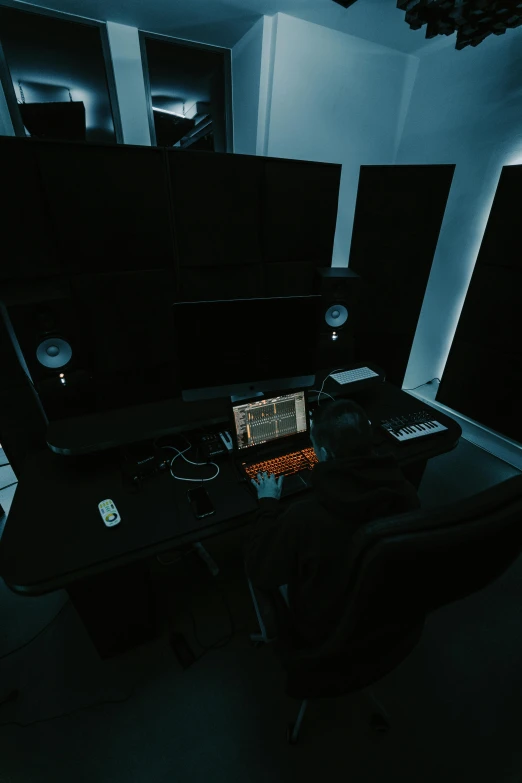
{"x":260,"y":372}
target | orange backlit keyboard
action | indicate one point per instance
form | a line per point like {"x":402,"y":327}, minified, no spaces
{"x":304,"y":459}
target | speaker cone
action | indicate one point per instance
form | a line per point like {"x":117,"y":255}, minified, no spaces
{"x":54,"y":352}
{"x":336,"y":315}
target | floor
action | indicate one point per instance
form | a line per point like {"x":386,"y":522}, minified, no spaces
{"x":453,"y":704}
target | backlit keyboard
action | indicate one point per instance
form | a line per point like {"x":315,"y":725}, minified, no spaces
{"x":304,"y":459}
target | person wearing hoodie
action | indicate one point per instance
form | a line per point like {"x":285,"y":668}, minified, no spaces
{"x":305,"y":545}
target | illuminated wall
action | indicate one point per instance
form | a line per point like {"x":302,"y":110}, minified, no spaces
{"x":246,"y":78}
{"x":466,"y":109}
{"x":334,"y":98}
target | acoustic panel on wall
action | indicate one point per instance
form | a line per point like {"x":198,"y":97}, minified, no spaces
{"x":216,"y":203}
{"x":299,"y":210}
{"x":398,"y":216}
{"x":127,"y":327}
{"x":28,"y":241}
{"x":111,"y":203}
{"x":246,"y":209}
{"x":73,"y":207}
{"x":225,"y":281}
{"x":483,"y":374}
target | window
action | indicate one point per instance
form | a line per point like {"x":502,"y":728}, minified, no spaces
{"x":189,"y":92}
{"x":57,"y":76}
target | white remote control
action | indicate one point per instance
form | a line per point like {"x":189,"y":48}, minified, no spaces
{"x":109,"y":513}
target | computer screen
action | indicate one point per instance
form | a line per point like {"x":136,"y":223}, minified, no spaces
{"x":239,"y":341}
{"x":261,"y":421}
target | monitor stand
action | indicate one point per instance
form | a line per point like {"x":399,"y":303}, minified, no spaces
{"x":238,"y":397}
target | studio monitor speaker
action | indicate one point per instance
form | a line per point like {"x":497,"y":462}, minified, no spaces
{"x":96,"y":342}
{"x":340,"y":291}
{"x":48,"y":346}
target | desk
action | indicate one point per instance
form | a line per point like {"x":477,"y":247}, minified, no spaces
{"x":54,"y":537}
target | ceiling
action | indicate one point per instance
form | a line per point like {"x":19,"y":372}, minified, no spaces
{"x":224,"y":22}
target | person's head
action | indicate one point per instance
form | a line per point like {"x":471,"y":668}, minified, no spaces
{"x":340,"y":429}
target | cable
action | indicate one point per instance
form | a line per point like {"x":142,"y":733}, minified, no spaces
{"x":328,"y":395}
{"x":4,"y":464}
{"x":181,"y":454}
{"x":422,"y":384}
{"x":6,"y":655}
{"x":341,"y":369}
{"x":66,"y":714}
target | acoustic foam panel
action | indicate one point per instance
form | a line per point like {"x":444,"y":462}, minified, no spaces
{"x":28,"y":241}
{"x":483,"y":374}
{"x":108,"y":206}
{"x":299,"y":210}
{"x":245,"y":209}
{"x":216,"y":201}
{"x":398,"y":216}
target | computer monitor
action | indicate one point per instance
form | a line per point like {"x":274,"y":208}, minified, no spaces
{"x":241,"y":348}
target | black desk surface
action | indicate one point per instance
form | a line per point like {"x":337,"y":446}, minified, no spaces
{"x":54,"y":534}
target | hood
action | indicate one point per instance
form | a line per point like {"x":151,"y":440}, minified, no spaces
{"x":363,"y":488}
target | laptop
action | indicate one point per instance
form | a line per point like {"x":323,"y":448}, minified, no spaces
{"x":273,"y":434}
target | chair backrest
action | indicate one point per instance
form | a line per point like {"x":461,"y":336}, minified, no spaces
{"x":406,"y":566}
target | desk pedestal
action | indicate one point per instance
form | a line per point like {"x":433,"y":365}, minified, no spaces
{"x":117,"y":608}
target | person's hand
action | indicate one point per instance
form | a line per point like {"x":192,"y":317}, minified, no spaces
{"x":268,"y":486}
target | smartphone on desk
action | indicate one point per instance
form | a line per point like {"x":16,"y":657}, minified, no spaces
{"x":200,"y":502}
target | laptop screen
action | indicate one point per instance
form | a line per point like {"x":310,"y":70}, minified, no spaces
{"x":271,"y":419}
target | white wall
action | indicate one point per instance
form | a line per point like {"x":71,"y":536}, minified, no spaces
{"x":338,"y":99}
{"x":246,"y":78}
{"x":466,"y":109}
{"x":130,"y":85}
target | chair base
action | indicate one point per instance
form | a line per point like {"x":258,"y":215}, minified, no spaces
{"x":378,"y":721}
{"x":258,"y":639}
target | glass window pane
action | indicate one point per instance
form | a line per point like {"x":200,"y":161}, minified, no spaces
{"x":52,"y":61}
{"x":188,"y":94}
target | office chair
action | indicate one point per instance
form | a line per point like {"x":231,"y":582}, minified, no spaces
{"x":402,"y":568}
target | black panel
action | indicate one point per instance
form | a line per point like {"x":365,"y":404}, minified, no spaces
{"x":109,"y":206}
{"x":398,"y":217}
{"x":492,"y":308}
{"x":483,"y":382}
{"x":299,"y":210}
{"x":501,"y":241}
{"x":28,"y":242}
{"x":127,"y":323}
{"x":204,"y":283}
{"x":483,"y":373}
{"x":253,"y":280}
{"x":216,"y":203}
{"x":290,"y":278}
